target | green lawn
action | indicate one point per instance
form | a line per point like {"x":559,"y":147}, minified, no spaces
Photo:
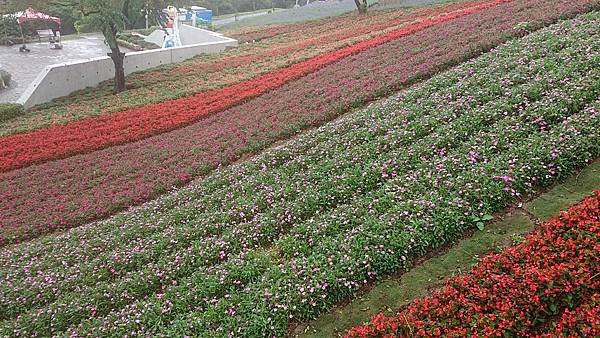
{"x":563,"y":195}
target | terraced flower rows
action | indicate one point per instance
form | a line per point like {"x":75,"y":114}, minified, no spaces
{"x":284,"y":236}
{"x":212,"y":72}
{"x":261,"y":33}
{"x":86,"y":135}
{"x":73,"y":191}
{"x":321,"y":35}
{"x":544,"y":287}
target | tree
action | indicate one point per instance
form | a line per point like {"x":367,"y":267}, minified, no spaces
{"x":362,"y":6}
{"x":107,"y":17}
{"x":129,"y":12}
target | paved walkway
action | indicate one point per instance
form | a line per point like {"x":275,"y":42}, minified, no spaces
{"x":25,"y":67}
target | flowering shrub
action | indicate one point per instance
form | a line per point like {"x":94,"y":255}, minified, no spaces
{"x":285,"y":235}
{"x":76,"y":190}
{"x":82,"y":136}
{"x":544,"y":285}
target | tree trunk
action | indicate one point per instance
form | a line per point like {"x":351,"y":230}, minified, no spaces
{"x":110,"y":35}
{"x":362,"y":6}
{"x":117,"y":57}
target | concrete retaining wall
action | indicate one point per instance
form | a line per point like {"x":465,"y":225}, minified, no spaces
{"x":63,"y":79}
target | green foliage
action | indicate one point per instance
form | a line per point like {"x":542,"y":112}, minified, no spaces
{"x":10,"y":110}
{"x":99,"y":14}
{"x":84,"y":27}
{"x":9,"y":29}
{"x":221,"y":7}
{"x":135,"y":42}
{"x":12,"y":6}
{"x":4,"y":79}
{"x":147,"y":31}
{"x":5,"y":76}
{"x":480,"y":221}
{"x":9,"y":26}
{"x":523,"y":26}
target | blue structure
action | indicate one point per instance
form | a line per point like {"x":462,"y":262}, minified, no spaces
{"x":169,"y":43}
{"x":205,"y":15}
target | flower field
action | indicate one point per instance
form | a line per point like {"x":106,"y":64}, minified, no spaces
{"x":282,"y":237}
{"x":260,"y":33}
{"x":213,"y":72}
{"x":544,"y":287}
{"x":76,"y":190}
{"x":60,"y":141}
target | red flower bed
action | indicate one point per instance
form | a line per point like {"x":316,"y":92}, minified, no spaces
{"x":546,"y":285}
{"x":96,"y":133}
{"x":76,"y":190}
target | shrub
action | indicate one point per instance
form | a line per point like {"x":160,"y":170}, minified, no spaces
{"x":9,"y":28}
{"x":4,"y":78}
{"x":135,"y":42}
{"x":10,"y":110}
